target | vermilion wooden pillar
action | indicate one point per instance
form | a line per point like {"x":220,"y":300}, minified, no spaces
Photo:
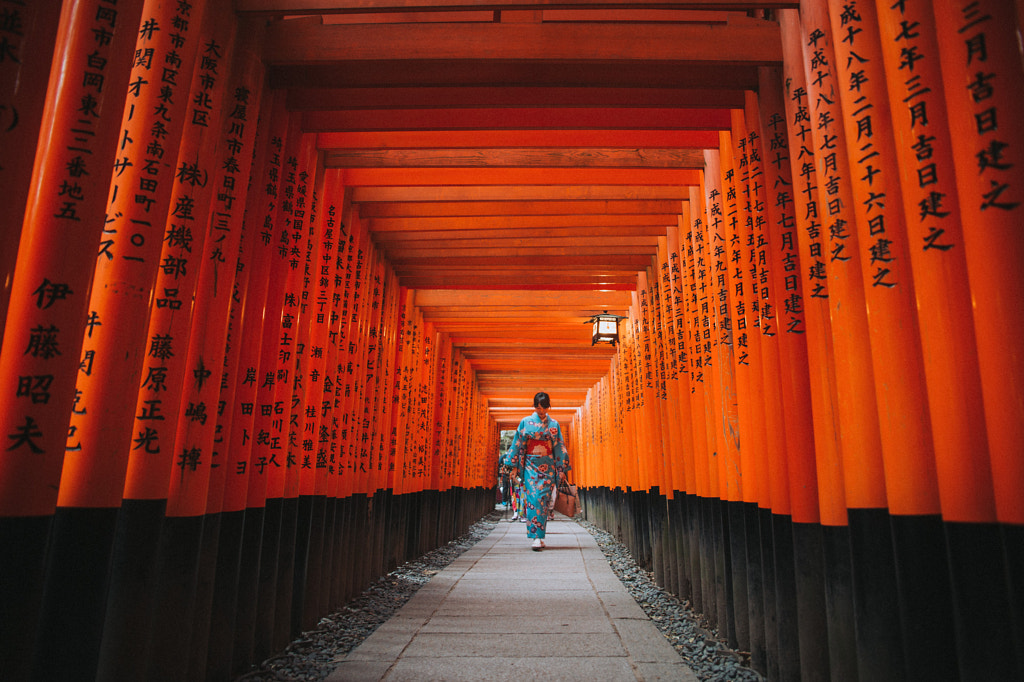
{"x":169,"y":371}
{"x":228,"y":476}
{"x":979,"y":49}
{"x":694,"y":438}
{"x":726,"y":415}
{"x":981,"y":70}
{"x":29,"y":36}
{"x":657,"y":505}
{"x":747,"y":252}
{"x":129,"y":260}
{"x":724,"y":410}
{"x":257,"y":370}
{"x":713,"y":414}
{"x":283,"y":484}
{"x":277,"y":563}
{"x":704,"y":438}
{"x":679,"y":379}
{"x":224,"y":107}
{"x":48,"y":305}
{"x":674,"y":505}
{"x":325,"y":271}
{"x":955,"y":397}
{"x":733,"y":312}
{"x":783,"y":318}
{"x":878,"y":638}
{"x":651,"y":454}
{"x":337,"y":206}
{"x":339,"y":486}
{"x":904,"y":418}
{"x":790,"y":164}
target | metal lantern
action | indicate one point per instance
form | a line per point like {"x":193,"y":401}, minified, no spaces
{"x":605,"y":328}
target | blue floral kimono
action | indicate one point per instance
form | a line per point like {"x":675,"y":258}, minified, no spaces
{"x":538,"y":452}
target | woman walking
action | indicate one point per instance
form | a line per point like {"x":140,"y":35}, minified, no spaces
{"x":538,"y":453}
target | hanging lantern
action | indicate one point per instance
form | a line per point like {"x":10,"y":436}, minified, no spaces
{"x":605,"y":328}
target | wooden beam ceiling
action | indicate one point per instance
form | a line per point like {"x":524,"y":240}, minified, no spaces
{"x":517,"y":162}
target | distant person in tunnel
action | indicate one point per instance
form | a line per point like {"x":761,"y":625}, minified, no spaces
{"x":538,"y":453}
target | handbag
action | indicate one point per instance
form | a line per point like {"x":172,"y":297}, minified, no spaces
{"x":567,"y":501}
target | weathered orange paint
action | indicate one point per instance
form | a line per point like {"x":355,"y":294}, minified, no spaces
{"x":732,"y":321}
{"x":749,"y":340}
{"x":724,"y":412}
{"x":680,"y":347}
{"x":700,"y":372}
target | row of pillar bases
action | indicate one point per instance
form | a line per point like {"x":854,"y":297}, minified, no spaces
{"x":207,"y":598}
{"x":886,"y":597}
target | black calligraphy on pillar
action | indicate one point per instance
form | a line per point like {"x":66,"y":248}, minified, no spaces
{"x":825,"y":112}
{"x":807,"y":189}
{"x":874,"y":199}
{"x":993,"y":153}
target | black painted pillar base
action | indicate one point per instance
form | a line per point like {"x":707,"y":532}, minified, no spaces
{"x":737,"y":539}
{"x":131,"y":591}
{"x":177,"y":569}
{"x":771,"y":611}
{"x":755,"y":588}
{"x":23,"y":542}
{"x":309,"y":585}
{"x":1013,"y":548}
{"x":982,"y":603}
{"x":875,"y":596}
{"x":809,"y":569}
{"x":842,"y":635}
{"x":926,"y":607}
{"x":723,"y":576}
{"x":266,"y":601}
{"x":246,"y":603}
{"x":653,"y":536}
{"x":206,"y":585}
{"x":220,"y":641}
{"x":706,"y":533}
{"x":330,"y":532}
{"x":74,"y":595}
{"x":693,"y":530}
{"x":786,"y":607}
{"x":286,"y":558}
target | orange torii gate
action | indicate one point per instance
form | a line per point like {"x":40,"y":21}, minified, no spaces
{"x":246,"y":408}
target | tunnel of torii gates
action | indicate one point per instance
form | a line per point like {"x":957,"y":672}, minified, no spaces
{"x":225,"y":414}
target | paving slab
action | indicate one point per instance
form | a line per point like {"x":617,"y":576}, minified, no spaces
{"x":501,"y":611}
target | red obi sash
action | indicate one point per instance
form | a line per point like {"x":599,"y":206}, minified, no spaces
{"x":537,"y":447}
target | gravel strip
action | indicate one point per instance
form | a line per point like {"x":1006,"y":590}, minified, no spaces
{"x":687,"y":631}
{"x":316,"y":653}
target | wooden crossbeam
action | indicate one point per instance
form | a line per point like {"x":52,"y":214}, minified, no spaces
{"x":313,"y":98}
{"x":509,"y":118}
{"x":511,"y":138}
{"x":304,"y":42}
{"x":378,"y":225}
{"x":553,"y":157}
{"x":409,"y":177}
{"x":437,"y":209}
{"x":300,"y":7}
{"x":437,"y":192}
